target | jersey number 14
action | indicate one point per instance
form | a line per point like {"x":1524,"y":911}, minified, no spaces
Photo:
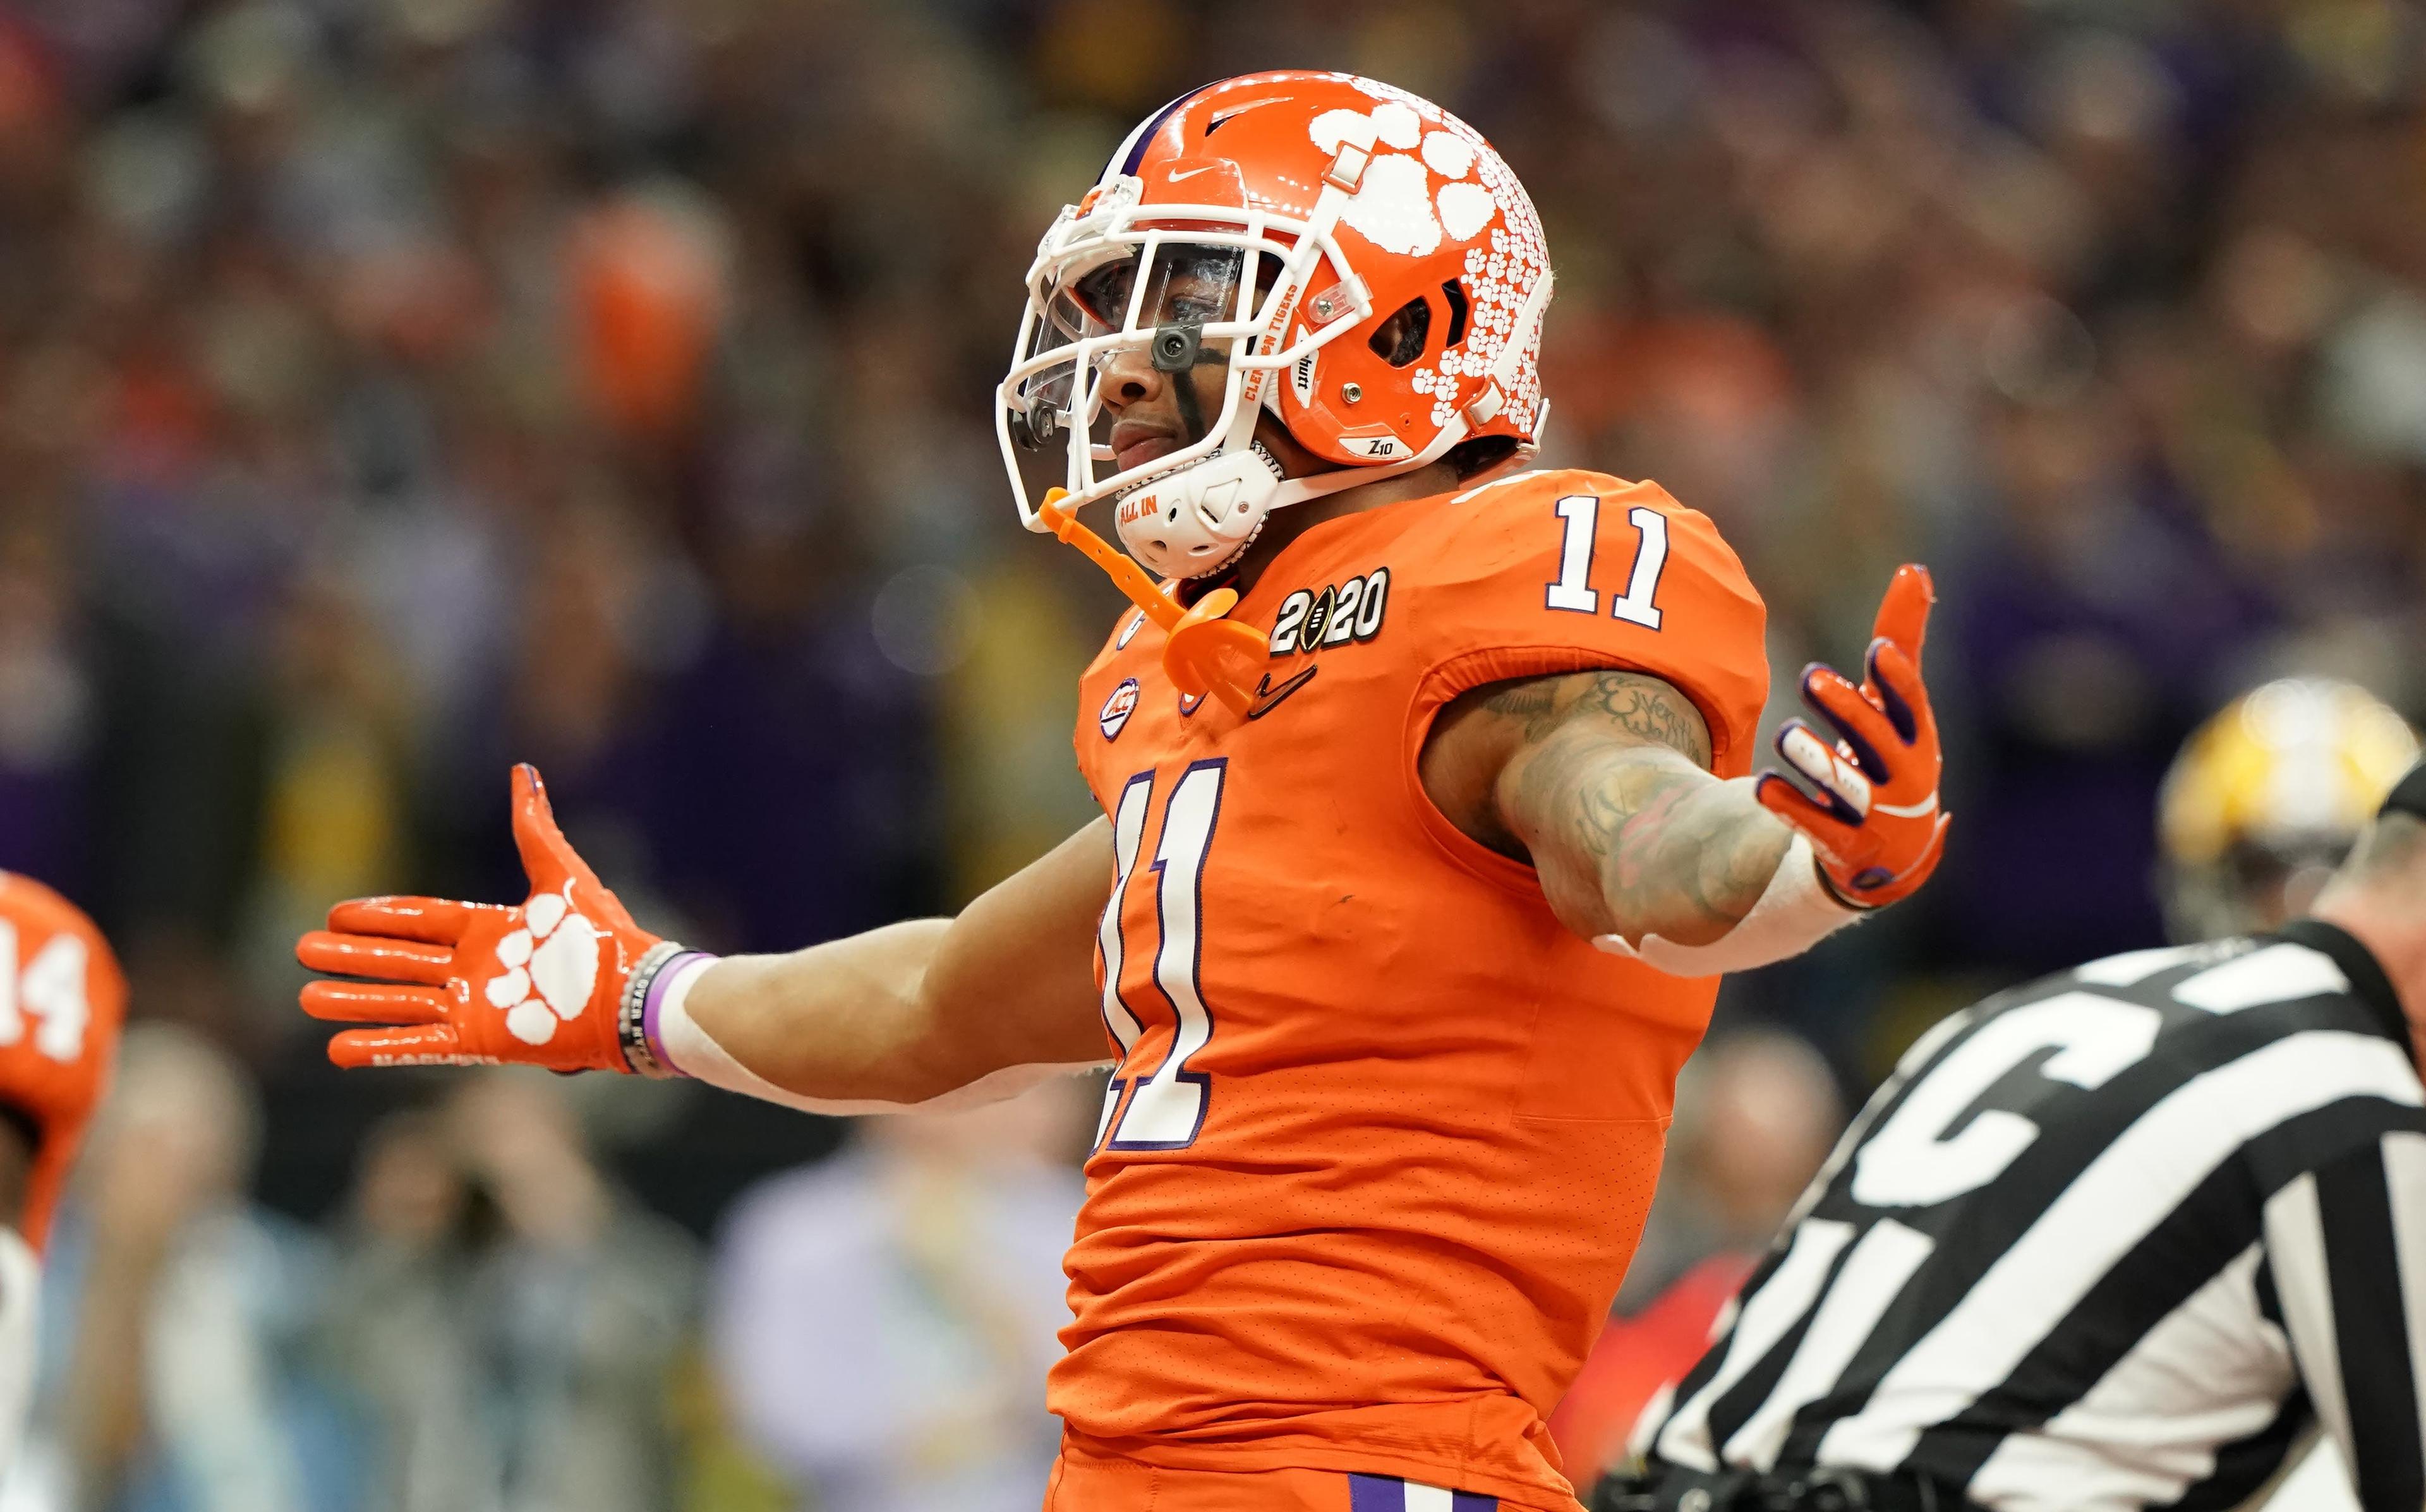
{"x":1165,"y":1107}
{"x":49,"y":992}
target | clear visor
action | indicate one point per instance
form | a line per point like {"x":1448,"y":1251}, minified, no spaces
{"x":1136,"y":291}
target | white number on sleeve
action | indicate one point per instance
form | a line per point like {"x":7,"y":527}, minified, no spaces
{"x":13,"y":1021}
{"x":1572,"y":588}
{"x":52,"y":989}
{"x":1649,"y":563}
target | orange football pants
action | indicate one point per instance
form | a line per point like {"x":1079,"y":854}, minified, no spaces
{"x":1084,"y":1482}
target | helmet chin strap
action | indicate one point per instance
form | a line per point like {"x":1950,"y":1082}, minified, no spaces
{"x":1227,"y":497}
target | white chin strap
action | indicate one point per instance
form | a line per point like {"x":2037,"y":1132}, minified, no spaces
{"x":1197,"y":521}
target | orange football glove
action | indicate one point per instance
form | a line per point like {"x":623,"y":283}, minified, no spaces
{"x":1876,"y":825}
{"x":476,"y":983}
{"x":62,"y":1002}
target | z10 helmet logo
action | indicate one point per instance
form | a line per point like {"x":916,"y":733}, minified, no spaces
{"x":1351,"y":611}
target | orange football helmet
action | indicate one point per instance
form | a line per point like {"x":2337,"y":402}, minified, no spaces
{"x":1275,"y":223}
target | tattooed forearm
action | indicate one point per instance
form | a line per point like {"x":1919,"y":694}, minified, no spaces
{"x":1637,"y":841}
{"x":1606,"y":788}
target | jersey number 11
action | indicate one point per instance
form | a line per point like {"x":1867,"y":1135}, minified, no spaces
{"x":1572,"y":590}
{"x":1165,"y":1108}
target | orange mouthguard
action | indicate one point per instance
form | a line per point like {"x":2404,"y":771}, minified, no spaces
{"x":1205,"y":653}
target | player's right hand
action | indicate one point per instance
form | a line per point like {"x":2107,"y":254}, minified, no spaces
{"x":464,"y":984}
{"x":1877,"y":827}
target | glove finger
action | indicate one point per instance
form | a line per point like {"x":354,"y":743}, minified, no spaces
{"x":1894,"y":682}
{"x":434,"y":1044}
{"x":1903,"y":613}
{"x":374,"y":1003}
{"x":1845,"y":790}
{"x":1859,"y":725}
{"x":545,"y":852}
{"x":431,"y":920}
{"x":1864,"y":728}
{"x":1834,"y":838}
{"x":375,"y":956}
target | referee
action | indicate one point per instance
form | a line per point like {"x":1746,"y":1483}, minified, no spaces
{"x":2124,"y":1238}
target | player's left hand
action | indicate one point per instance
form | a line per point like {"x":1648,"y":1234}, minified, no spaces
{"x":1876,"y":823}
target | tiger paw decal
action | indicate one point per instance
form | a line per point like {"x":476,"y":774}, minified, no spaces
{"x":1395,"y":206}
{"x":551,"y":968}
{"x":1427,"y":178}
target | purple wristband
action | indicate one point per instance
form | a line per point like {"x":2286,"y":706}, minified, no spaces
{"x":654,"y":1002}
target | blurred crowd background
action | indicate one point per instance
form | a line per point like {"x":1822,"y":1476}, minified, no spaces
{"x":393,"y":389}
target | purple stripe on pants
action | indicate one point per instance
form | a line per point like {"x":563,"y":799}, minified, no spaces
{"x":1387,"y":1493}
{"x":1376,"y":1493}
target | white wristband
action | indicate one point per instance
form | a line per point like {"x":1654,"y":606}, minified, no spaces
{"x":693,"y":1051}
{"x":1794,"y":914}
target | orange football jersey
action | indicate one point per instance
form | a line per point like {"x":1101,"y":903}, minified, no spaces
{"x":1383,"y":1132}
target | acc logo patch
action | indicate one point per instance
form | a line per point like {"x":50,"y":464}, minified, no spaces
{"x":1114,"y":716}
{"x":1349,"y":611}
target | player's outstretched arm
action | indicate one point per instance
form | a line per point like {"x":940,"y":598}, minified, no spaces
{"x":568,"y":980}
{"x":915,"y":1012}
{"x":1602,"y":780}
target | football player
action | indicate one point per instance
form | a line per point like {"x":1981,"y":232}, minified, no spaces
{"x":61,"y":1002}
{"x":2267,"y":797}
{"x":1428,"y":823}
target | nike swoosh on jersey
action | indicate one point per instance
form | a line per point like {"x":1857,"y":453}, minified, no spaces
{"x":1268,"y":698}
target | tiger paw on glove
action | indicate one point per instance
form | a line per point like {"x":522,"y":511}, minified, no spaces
{"x":1876,"y":826}
{"x":559,"y":980}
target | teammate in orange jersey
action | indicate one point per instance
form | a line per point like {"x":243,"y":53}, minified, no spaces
{"x":1427,"y":825}
{"x":61,"y":1002}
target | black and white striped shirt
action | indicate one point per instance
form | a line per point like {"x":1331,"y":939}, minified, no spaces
{"x":2119,"y":1239}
